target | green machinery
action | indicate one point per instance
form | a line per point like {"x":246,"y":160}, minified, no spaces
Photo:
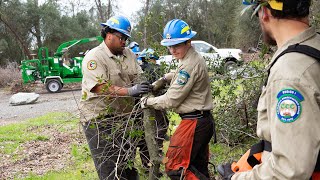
{"x":55,"y":71}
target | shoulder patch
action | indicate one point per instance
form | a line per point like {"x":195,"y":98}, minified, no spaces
{"x":289,"y":107}
{"x":183,"y":77}
{"x":92,"y":65}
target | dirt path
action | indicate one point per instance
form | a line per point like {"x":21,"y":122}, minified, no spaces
{"x":65,"y":101}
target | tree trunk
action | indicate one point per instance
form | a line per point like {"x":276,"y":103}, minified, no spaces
{"x":37,"y":31}
{"x":16,"y":35}
{"x":100,"y":10}
{"x":207,"y":21}
{"x":109,"y":9}
{"x":153,"y":149}
{"x":146,"y":12}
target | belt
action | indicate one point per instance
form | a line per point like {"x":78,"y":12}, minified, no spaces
{"x":195,"y":114}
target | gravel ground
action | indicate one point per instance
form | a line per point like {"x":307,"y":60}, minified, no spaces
{"x":65,"y":101}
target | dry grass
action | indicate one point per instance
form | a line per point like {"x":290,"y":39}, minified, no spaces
{"x":51,"y":143}
{"x":10,"y":77}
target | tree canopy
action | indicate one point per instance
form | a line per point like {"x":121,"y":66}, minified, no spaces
{"x":27,"y":25}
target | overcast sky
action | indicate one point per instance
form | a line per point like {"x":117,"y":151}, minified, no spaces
{"x":128,"y":7}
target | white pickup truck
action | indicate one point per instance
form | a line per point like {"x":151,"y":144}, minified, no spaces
{"x":226,"y":58}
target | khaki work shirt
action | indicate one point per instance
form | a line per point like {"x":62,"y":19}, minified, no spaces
{"x":189,"y":88}
{"x":289,"y":122}
{"x":101,"y":66}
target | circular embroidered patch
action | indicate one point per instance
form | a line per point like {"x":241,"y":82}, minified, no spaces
{"x":183,"y":77}
{"x":92,"y":65}
{"x":289,"y":107}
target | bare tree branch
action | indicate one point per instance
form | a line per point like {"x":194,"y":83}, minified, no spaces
{"x":146,"y":12}
{"x":100,"y":9}
{"x":16,"y":35}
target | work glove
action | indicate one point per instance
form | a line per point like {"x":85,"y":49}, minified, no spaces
{"x":225,"y":171}
{"x":139,"y":89}
{"x":159,"y":84}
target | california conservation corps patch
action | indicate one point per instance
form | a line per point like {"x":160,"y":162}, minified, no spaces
{"x":289,"y":107}
{"x":183,"y":77}
{"x":92,"y":65}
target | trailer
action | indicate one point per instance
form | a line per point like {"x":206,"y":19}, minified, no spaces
{"x":58,"y":70}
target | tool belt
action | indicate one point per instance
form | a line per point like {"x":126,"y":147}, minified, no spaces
{"x":195,"y":114}
{"x":253,"y":157}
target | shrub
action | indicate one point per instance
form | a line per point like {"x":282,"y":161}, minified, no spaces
{"x":9,"y":75}
{"x":235,"y":99}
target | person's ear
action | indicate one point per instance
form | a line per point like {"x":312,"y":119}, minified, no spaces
{"x":265,"y":13}
{"x":109,"y":36}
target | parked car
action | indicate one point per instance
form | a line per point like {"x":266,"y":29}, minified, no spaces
{"x":227,"y":59}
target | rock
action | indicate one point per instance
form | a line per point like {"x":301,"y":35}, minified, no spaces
{"x":23,"y":98}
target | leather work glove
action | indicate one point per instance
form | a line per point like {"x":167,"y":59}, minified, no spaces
{"x":139,"y":89}
{"x":225,"y":171}
{"x":159,"y":84}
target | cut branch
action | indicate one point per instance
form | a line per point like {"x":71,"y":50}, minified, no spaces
{"x":149,"y":124}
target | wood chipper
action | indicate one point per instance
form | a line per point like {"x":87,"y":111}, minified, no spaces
{"x":55,"y":71}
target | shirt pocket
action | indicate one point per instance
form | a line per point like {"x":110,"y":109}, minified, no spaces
{"x":115,"y":77}
{"x":132,"y":74}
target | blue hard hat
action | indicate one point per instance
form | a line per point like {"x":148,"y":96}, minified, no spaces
{"x":136,"y":50}
{"x":248,"y":2}
{"x":119,"y":23}
{"x":134,"y":46}
{"x":148,"y":53}
{"x":175,"y":32}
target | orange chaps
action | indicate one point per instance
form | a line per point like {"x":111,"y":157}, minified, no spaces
{"x":188,"y":153}
{"x":179,"y":151}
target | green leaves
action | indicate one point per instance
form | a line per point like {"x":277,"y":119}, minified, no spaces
{"x":234,"y":99}
{"x":136,"y":133}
